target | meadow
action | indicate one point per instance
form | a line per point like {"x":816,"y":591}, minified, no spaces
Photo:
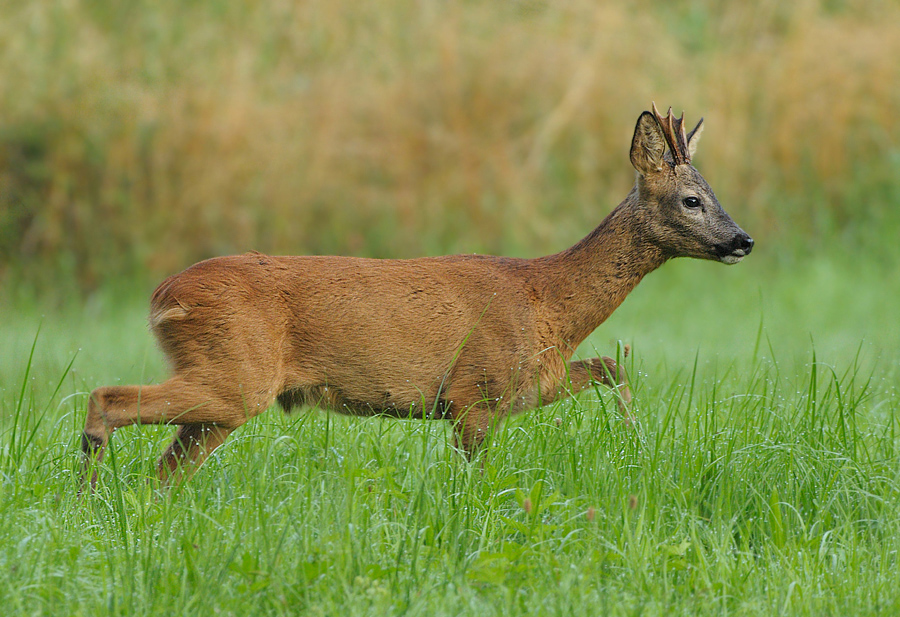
{"x":759,"y":478}
{"x":761,"y":475}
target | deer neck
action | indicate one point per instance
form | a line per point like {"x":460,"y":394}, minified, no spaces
{"x":591,"y":279}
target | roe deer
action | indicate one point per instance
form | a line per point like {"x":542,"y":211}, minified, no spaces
{"x":468,"y":338}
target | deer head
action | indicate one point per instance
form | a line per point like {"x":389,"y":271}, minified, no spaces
{"x":682,"y":216}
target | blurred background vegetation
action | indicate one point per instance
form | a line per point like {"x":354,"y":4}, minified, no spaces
{"x":137,"y":138}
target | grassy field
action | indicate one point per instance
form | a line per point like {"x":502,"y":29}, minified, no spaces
{"x":760,"y":478}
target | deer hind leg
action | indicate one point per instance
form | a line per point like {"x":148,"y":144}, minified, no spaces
{"x":193,"y":443}
{"x":175,"y":401}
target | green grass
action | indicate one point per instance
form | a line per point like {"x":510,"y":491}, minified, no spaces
{"x":761,"y":477}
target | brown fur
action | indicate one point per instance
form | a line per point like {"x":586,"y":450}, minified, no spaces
{"x":466,"y":337}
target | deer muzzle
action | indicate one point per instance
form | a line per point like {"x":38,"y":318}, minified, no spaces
{"x":734,"y":251}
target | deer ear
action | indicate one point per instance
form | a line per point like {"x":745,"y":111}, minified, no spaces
{"x":693,"y":137}
{"x":648,"y":145}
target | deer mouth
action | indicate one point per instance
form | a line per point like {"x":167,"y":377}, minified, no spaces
{"x":734,"y":251}
{"x":733,"y":258}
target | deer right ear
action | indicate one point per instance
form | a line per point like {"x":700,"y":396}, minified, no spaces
{"x":693,"y":137}
{"x":648,"y":145}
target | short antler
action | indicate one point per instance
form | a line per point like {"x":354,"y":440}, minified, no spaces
{"x":673,"y":130}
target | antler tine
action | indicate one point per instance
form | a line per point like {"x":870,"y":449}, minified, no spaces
{"x":673,"y":131}
{"x":682,"y":139}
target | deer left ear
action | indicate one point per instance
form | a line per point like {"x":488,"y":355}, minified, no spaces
{"x":648,"y":146}
{"x":693,"y":137}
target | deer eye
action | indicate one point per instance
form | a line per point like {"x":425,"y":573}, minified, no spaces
{"x":691,"y":202}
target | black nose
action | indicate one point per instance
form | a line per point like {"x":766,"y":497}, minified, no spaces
{"x":745,"y":243}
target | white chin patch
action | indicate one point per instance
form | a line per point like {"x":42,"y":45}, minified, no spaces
{"x":731,"y":259}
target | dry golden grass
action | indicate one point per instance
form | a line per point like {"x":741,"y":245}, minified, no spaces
{"x":144,"y":137}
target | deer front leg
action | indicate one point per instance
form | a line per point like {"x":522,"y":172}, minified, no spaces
{"x":606,"y":371}
{"x":471,"y":428}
